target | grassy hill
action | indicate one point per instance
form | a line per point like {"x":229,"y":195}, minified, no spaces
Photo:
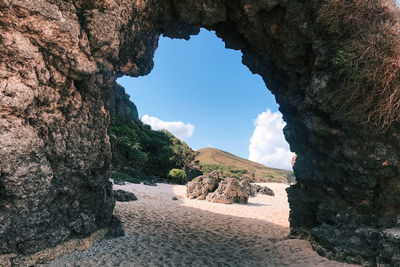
{"x":210,"y":159}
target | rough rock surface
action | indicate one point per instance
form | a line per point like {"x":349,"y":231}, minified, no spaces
{"x":124,"y":196}
{"x":389,"y":246}
{"x":120,"y":107}
{"x":230,"y":190}
{"x":119,"y":182}
{"x":115,"y":228}
{"x":253,"y":189}
{"x":58,"y":64}
{"x":202,"y":185}
{"x":192,"y":172}
{"x":265,"y":190}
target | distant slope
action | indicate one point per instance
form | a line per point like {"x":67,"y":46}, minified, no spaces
{"x":212,"y":156}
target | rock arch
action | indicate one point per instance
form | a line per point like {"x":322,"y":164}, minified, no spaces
{"x":59,"y":60}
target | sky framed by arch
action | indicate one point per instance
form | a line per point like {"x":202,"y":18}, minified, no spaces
{"x":202,"y":93}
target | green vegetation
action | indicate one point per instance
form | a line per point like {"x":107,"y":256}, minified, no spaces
{"x":153,"y":153}
{"x":210,"y":159}
{"x":177,"y":175}
{"x":125,"y":177}
{"x":229,"y":171}
{"x":120,"y":176}
{"x":160,"y":154}
{"x":365,"y":51}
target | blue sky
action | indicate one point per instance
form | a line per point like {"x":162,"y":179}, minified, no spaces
{"x":200,"y":91}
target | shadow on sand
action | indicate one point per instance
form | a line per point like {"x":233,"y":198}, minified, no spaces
{"x":164,"y":232}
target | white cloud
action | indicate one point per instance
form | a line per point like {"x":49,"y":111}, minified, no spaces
{"x":268,"y":145}
{"x":179,"y":129}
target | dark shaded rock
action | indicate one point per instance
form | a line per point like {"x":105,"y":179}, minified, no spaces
{"x":347,"y":243}
{"x":202,"y":185}
{"x":265,"y":190}
{"x":129,"y":175}
{"x":119,"y":182}
{"x":124,"y":196}
{"x":174,"y":198}
{"x":115,"y":228}
{"x":389,"y":244}
{"x":192,"y":172}
{"x":121,"y":108}
{"x":229,"y":191}
{"x":149,"y":183}
{"x":253,"y":189}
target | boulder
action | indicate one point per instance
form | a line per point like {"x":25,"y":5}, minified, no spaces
{"x":150,"y":183}
{"x":265,"y":190}
{"x":201,"y":186}
{"x":253,"y":189}
{"x":119,"y":182}
{"x":229,"y":191}
{"x":124,"y":196}
{"x":191,"y":172}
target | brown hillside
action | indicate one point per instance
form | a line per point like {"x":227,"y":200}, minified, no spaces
{"x":212,"y":156}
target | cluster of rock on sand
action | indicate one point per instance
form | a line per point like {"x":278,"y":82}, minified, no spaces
{"x":213,"y":188}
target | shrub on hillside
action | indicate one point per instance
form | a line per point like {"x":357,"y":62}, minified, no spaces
{"x":177,"y":175}
{"x":122,"y":177}
{"x":228,"y":171}
{"x":151,"y":152}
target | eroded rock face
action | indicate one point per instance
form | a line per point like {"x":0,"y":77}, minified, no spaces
{"x":265,"y":190}
{"x":253,"y":189}
{"x":59,"y":60}
{"x":54,"y":149}
{"x":229,"y":191}
{"x":203,"y":185}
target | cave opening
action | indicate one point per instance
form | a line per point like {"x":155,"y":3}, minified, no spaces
{"x":193,"y":82}
{"x":202,"y":83}
{"x":220,"y":102}
{"x":57,"y":78}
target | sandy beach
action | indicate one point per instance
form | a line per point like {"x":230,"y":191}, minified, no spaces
{"x":164,"y":232}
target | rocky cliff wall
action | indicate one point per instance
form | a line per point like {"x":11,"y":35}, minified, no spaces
{"x":54,"y":149}
{"x":58,"y":62}
{"x":120,"y":107}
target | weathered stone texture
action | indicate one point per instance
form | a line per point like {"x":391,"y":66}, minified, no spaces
{"x":229,"y":191}
{"x":58,"y":62}
{"x":55,"y":153}
{"x":200,"y":187}
{"x":124,"y":196}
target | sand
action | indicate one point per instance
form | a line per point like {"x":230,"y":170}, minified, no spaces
{"x":164,"y":232}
